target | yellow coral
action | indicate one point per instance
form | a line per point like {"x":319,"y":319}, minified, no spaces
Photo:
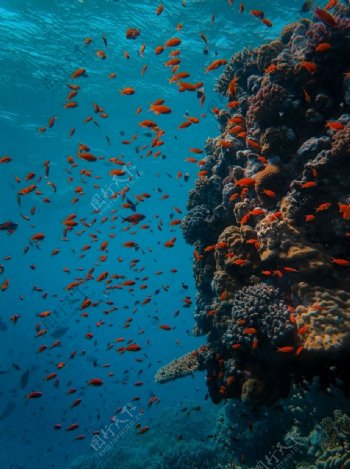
{"x":326,"y":314}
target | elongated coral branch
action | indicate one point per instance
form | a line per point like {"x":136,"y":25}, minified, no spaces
{"x":183,"y":366}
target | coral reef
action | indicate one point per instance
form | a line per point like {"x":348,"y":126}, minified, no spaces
{"x":270,"y":220}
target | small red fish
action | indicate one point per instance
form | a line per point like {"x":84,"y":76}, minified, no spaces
{"x":95,"y":382}
{"x":159,"y":10}
{"x":325,"y":17}
{"x":286,"y":349}
{"x":342,"y":262}
{"x":34,"y":395}
{"x":249,"y":330}
{"x":143,"y":430}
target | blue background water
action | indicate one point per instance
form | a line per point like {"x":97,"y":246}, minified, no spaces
{"x":42,"y":43}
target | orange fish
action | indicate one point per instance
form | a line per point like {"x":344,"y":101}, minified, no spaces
{"x":249,"y":330}
{"x":172,"y":62}
{"x":71,"y":104}
{"x":95,"y":382}
{"x":257,"y":13}
{"x":325,"y":17}
{"x":34,"y":395}
{"x":178,"y":77}
{"x":27,"y":190}
{"x":132,"y":33}
{"x":158,"y":50}
{"x":269,"y":193}
{"x":302,"y":330}
{"x":323,"y":47}
{"x":38,"y":237}
{"x":5,"y":284}
{"x":87,"y":157}
{"x":323,"y":207}
{"x":216,"y":64}
{"x":130,"y":244}
{"x":267,"y":22}
{"x":331,"y":4}
{"x":173,"y":42}
{"x":101,"y":54}
{"x":184,"y":125}
{"x":233,"y":104}
{"x":127,"y":91}
{"x":309,"y":66}
{"x":5,"y":159}
{"x":344,"y":210}
{"x":245,"y":182}
{"x":102,"y":276}
{"x":185,"y":86}
{"x":286,"y":349}
{"x":160,"y":109}
{"x":117,"y":172}
{"x":334,"y":125}
{"x":236,"y":346}
{"x":143,"y":430}
{"x":343,"y":262}
{"x":170,"y":244}
{"x":309,"y":217}
{"x":239,"y":261}
{"x":78,"y":73}
{"x":159,"y":10}
{"x":307,"y":185}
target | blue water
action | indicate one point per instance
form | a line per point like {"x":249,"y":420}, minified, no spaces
{"x":42,"y":45}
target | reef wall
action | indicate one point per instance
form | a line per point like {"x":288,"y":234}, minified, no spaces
{"x":269,"y":219}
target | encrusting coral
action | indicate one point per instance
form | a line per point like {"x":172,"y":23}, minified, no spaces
{"x":270,"y":218}
{"x":326,"y":318}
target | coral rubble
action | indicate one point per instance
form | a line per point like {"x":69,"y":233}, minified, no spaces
{"x":270,"y":219}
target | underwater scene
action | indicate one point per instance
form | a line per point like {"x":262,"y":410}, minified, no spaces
{"x":175,"y":234}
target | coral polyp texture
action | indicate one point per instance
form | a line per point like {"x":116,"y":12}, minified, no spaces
{"x":183,"y":366}
{"x":269,"y":219}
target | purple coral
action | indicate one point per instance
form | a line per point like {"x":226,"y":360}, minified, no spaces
{"x":265,"y":107}
{"x":261,"y":308}
{"x":197,"y":224}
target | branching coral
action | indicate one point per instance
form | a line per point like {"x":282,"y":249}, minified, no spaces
{"x":182,"y":366}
